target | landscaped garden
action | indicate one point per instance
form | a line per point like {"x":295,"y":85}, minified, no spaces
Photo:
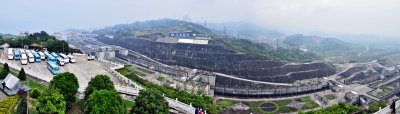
{"x":330,"y":96}
{"x":202,"y":101}
{"x":271,"y":107}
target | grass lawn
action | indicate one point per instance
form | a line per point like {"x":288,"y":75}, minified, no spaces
{"x":33,"y":84}
{"x":309,"y":105}
{"x":385,"y":91}
{"x":330,"y":96}
{"x":161,"y":78}
{"x":283,"y":102}
{"x":133,"y":69}
{"x":129,"y":104}
{"x":374,"y":85}
{"x":32,"y":106}
{"x":256,"y":106}
{"x":145,"y":70}
{"x":123,"y":71}
{"x":306,"y":99}
{"x":284,"y":109}
{"x":225,"y":103}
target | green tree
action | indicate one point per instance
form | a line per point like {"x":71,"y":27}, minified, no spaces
{"x":374,"y":106}
{"x":104,"y":102}
{"x":4,"y":72}
{"x":6,"y":67}
{"x":21,"y":109}
{"x":99,"y":82}
{"x":150,"y":102}
{"x":51,"y":102}
{"x":21,"y":74}
{"x":67,"y":84}
{"x":35,"y":93}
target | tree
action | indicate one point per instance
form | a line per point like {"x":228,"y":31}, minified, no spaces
{"x":150,"y":102}
{"x":99,"y":82}
{"x":35,"y":93}
{"x":51,"y":102}
{"x":4,"y":72}
{"x":6,"y":67}
{"x":67,"y":84}
{"x":21,"y":109}
{"x":21,"y":74}
{"x":104,"y":102}
{"x":374,"y":106}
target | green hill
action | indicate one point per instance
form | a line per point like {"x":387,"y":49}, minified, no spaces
{"x":153,"y":28}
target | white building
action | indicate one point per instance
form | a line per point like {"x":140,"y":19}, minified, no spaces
{"x":123,"y":52}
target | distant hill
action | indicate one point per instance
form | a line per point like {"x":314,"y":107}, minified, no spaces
{"x":160,"y":28}
{"x":316,"y":43}
{"x":325,"y":47}
{"x":153,"y":28}
{"x":244,"y":29}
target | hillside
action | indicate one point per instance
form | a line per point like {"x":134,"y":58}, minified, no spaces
{"x":224,"y":54}
{"x":217,"y":57}
{"x":160,"y":28}
{"x":153,"y":28}
{"x":266,"y":51}
{"x":329,"y":48}
{"x":244,"y":29}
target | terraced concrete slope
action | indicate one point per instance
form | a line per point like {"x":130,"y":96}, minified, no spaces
{"x":217,"y":57}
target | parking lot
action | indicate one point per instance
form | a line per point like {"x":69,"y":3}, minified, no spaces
{"x":83,"y":69}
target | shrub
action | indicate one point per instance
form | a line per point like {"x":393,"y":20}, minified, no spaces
{"x":8,"y":104}
{"x":21,"y":109}
{"x":21,"y":74}
{"x":35,"y":93}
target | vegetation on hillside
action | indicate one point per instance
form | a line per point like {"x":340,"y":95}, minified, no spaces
{"x":42,"y":39}
{"x":52,"y":101}
{"x":374,"y":106}
{"x":268,"y":52}
{"x":202,"y":101}
{"x":67,"y":84}
{"x":150,"y":102}
{"x":105,"y":102}
{"x":340,"y":108}
{"x":99,"y":82}
{"x":153,"y":28}
{"x":337,"y":50}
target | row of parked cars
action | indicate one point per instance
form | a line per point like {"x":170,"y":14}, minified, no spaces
{"x":54,"y":60}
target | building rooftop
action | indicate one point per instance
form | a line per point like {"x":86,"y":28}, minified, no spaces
{"x":12,"y":85}
{"x":10,"y":81}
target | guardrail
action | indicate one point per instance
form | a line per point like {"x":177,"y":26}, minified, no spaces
{"x":188,"y":109}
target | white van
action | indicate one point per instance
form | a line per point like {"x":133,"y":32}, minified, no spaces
{"x":10,"y":54}
{"x":65,"y":57}
{"x":71,"y":58}
{"x":24,"y":59}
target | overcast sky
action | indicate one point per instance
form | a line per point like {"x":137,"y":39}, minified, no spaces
{"x":372,"y":17}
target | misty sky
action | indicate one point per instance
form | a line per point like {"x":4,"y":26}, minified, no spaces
{"x":377,"y":17}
